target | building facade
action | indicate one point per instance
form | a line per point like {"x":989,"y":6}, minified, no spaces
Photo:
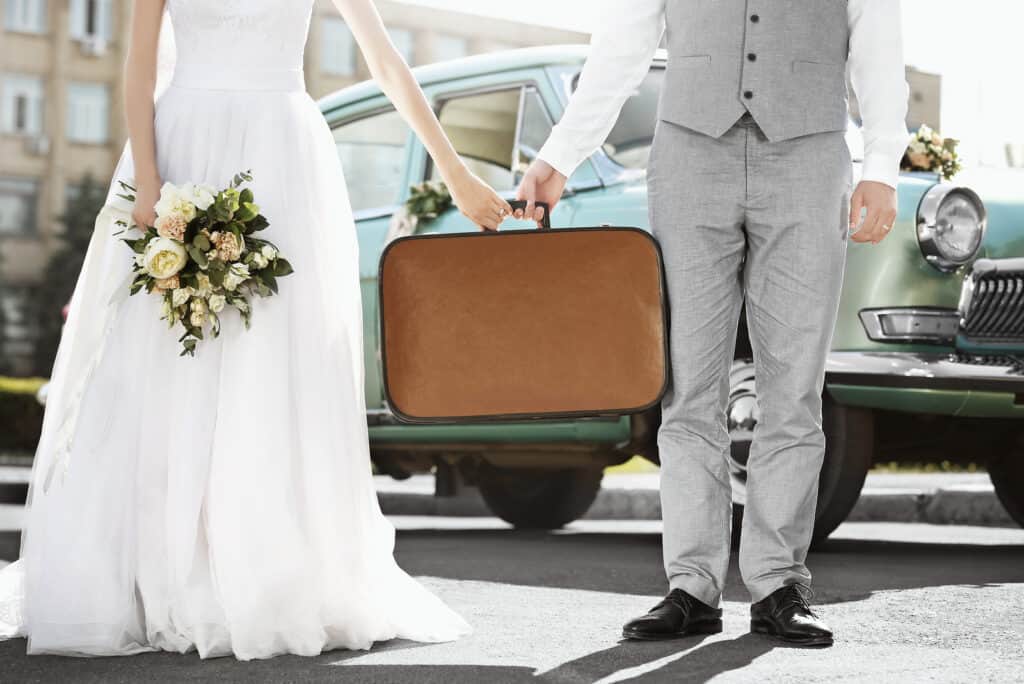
{"x":61,"y":94}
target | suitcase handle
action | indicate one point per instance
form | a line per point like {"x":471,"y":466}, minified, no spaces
{"x":521,"y":204}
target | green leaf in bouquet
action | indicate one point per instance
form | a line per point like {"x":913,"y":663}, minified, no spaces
{"x":282,"y":267}
{"x":201,"y":242}
{"x":245,"y":196}
{"x":268,"y":279}
{"x":217,"y":273}
{"x":189,"y":347}
{"x":247,"y":211}
{"x":241,"y":177}
{"x":198,"y":256}
{"x":258,"y":222}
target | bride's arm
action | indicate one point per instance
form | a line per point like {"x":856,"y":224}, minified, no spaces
{"x":140,"y":84}
{"x":473,"y":197}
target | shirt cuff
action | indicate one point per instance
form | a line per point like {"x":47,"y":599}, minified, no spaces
{"x":881,"y":168}
{"x":561,"y":156}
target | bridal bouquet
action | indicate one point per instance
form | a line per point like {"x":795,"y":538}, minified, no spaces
{"x":929,"y":151}
{"x":202,"y":257}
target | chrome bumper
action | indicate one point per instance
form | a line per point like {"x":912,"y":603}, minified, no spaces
{"x":926,"y":371}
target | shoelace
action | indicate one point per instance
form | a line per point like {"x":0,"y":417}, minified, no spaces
{"x":797,"y":596}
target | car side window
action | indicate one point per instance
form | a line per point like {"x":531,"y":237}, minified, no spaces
{"x":534,"y":129}
{"x":482,"y":128}
{"x":373,"y":150}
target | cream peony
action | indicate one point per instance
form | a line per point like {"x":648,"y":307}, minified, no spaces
{"x":217,"y":303}
{"x":164,"y":257}
{"x":259,"y":261}
{"x":173,"y":200}
{"x":268,"y":252}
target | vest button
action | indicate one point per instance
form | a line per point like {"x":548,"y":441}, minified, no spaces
{"x":751,"y":57}
{"x":755,"y":18}
{"x":748,"y":94}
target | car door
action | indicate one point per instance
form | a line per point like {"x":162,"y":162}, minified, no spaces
{"x":497,"y":129}
{"x":374,"y":145}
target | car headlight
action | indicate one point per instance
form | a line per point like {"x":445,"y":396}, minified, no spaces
{"x":950,"y":226}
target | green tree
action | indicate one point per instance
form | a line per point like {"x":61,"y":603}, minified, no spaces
{"x":62,"y":270}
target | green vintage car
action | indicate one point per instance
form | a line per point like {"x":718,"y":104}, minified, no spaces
{"x":927,"y":357}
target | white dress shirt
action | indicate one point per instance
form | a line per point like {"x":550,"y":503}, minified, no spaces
{"x":624,"y":44}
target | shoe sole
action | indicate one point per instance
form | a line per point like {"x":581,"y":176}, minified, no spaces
{"x":766,"y":629}
{"x":705,"y":627}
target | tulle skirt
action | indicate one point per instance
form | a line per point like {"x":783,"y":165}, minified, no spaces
{"x":224,"y":502}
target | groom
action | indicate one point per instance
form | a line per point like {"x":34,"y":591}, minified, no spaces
{"x":751,"y":199}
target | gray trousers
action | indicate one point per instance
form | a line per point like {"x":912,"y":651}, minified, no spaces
{"x":743,"y":219}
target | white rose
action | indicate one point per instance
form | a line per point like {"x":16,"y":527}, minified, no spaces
{"x":164,"y":257}
{"x":217,"y":303}
{"x":180,"y":296}
{"x":199,"y":195}
{"x":173,"y":200}
{"x":205,"y":287}
{"x":268,"y":252}
{"x":259,"y":261}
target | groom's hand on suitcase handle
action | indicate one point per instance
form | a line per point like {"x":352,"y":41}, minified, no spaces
{"x":521,"y":208}
{"x":542,"y":183}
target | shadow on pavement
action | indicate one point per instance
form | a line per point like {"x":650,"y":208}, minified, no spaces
{"x":844,"y":570}
{"x":686,"y":660}
{"x":175,"y":667}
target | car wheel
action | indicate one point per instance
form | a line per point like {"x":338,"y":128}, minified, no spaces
{"x":1007,"y":475}
{"x":538,"y":498}
{"x":849,"y":448}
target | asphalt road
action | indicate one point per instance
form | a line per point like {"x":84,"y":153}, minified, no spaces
{"x":908,"y":603}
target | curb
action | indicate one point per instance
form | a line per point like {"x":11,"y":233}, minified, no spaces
{"x":960,"y":504}
{"x":955,"y":506}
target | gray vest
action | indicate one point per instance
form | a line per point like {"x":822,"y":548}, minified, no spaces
{"x":784,"y":61}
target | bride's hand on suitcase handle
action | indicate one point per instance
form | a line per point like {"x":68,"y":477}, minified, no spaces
{"x":479,"y":202}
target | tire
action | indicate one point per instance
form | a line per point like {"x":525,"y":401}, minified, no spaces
{"x":849,"y":450}
{"x":1007,"y":475}
{"x":537,"y":498}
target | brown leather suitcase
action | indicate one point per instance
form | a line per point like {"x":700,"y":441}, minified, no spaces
{"x":522,"y":324}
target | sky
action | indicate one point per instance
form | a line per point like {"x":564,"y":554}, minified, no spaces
{"x":974,"y":45}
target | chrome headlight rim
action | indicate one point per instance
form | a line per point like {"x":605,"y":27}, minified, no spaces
{"x":927,"y":225}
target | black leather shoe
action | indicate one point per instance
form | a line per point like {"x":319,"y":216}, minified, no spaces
{"x":786,"y":615}
{"x":678,"y":615}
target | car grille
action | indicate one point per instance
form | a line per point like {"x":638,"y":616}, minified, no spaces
{"x":994,"y":303}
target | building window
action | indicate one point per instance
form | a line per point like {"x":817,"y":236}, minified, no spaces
{"x":18,"y":337}
{"x":25,"y":16}
{"x":22,"y":102}
{"x":402,"y":38}
{"x":18,"y":199}
{"x":88,"y":113}
{"x":450,"y":47}
{"x":337,"y":48}
{"x":91,"y":19}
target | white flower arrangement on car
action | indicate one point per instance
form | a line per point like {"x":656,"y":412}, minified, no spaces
{"x":202,"y":256}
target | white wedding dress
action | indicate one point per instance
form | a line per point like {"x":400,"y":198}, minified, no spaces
{"x":224,"y":502}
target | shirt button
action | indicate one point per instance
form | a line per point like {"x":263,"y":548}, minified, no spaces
{"x":748,"y":94}
{"x":755,"y":18}
{"x":751,"y":57}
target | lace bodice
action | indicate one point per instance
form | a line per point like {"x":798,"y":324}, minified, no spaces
{"x":240,"y":35}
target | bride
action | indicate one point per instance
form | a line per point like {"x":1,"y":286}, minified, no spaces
{"x":224,"y":503}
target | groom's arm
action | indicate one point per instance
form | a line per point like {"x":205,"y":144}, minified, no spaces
{"x":878,"y":75}
{"x":621,"y":49}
